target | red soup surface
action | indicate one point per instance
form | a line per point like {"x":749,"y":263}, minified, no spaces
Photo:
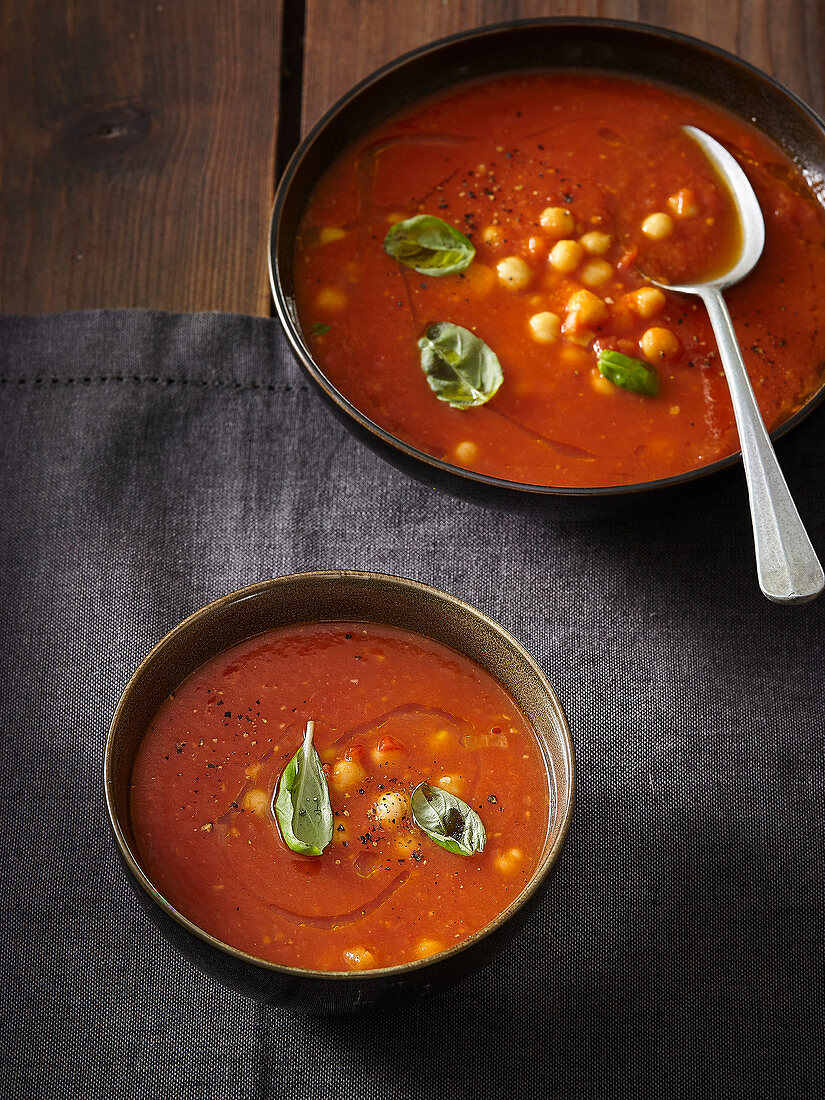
{"x":391,"y":709}
{"x":569,"y":187}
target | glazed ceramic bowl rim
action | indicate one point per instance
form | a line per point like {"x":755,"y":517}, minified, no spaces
{"x":332,"y":577}
{"x":395,"y":443}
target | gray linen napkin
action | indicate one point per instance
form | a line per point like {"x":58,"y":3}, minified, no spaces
{"x":152,"y":462}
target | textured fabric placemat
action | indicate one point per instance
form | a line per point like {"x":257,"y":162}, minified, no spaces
{"x":152,"y":462}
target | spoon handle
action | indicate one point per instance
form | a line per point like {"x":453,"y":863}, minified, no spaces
{"x":786,"y":563}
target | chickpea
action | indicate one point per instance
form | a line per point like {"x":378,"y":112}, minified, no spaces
{"x":545,"y":327}
{"x":347,"y":774}
{"x":659,"y":343}
{"x":565,"y":256}
{"x":480,"y":278}
{"x":683,"y":204}
{"x":647,"y":301}
{"x":439,"y":739}
{"x":386,"y":751}
{"x":596,"y":273}
{"x":359,"y":958}
{"x":595,"y":243}
{"x":581,"y":336}
{"x":329,"y":233}
{"x":493,"y":235}
{"x":256,"y":801}
{"x":332,"y":299}
{"x":657,"y":226}
{"x":514,"y":272}
{"x":584,"y":309}
{"x":405,"y":846}
{"x":455,"y":783}
{"x":390,"y":809}
{"x":508,"y":862}
{"x":601,"y":384}
{"x":465,"y":452}
{"x":575,"y":358}
{"x":427,"y":947}
{"x":557,"y":221}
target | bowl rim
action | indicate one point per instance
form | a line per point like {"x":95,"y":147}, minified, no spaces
{"x":385,"y":437}
{"x":335,"y":576}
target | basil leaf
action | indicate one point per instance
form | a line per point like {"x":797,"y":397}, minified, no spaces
{"x":447,"y":820}
{"x":429,"y":246}
{"x":301,"y":804}
{"x":460,"y":368}
{"x":629,"y":374}
{"x":319,"y":329}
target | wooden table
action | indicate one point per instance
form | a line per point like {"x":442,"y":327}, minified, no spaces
{"x":141,"y":140}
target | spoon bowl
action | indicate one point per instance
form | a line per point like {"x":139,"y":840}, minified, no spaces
{"x":747,"y":207}
{"x":787,"y":566}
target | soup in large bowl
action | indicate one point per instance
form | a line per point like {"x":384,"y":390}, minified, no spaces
{"x":467,"y":273}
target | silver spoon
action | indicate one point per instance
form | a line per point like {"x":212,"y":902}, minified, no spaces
{"x":788,"y":568}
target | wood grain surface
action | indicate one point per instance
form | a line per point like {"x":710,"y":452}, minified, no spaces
{"x":139,"y":139}
{"x":784,"y":38}
{"x":138,"y":153}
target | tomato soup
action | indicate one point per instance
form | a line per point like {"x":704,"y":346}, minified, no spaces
{"x":391,"y":709}
{"x":571,"y":189}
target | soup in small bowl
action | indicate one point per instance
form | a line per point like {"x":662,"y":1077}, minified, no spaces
{"x":338,"y":790}
{"x":466,"y":272}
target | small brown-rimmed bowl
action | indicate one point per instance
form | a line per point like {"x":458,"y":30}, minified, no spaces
{"x":318,"y":597}
{"x":648,"y":53}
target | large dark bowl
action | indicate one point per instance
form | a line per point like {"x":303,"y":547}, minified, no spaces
{"x":670,"y":59}
{"x":329,"y":596}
